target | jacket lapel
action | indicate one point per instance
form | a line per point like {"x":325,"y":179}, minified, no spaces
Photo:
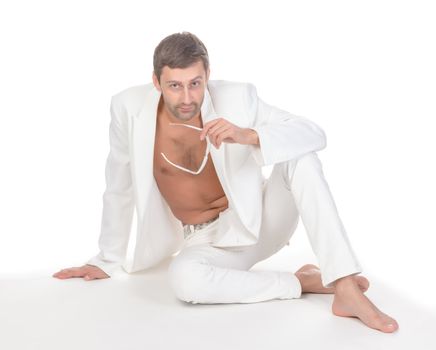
{"x":143,"y":139}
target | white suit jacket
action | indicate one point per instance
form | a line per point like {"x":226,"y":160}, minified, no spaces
{"x":130,"y":182}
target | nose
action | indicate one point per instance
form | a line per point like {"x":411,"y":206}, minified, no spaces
{"x":187,"y":99}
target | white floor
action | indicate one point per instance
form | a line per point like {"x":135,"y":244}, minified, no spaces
{"x":139,"y":311}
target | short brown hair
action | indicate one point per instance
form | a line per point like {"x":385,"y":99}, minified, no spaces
{"x":179,"y":50}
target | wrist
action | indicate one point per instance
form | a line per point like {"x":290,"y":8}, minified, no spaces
{"x":253,"y":137}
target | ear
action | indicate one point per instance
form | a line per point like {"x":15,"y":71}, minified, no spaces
{"x":156,"y":82}
{"x":207,"y":75}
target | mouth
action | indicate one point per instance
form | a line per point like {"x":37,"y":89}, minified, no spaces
{"x":186,"y":109}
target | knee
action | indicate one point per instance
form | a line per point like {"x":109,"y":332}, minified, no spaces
{"x":308,"y":164}
{"x":187,"y":277}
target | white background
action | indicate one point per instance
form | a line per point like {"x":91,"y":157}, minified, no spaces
{"x":362,"y":70}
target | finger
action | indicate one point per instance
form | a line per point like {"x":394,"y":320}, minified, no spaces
{"x":217,"y":126}
{"x":207,"y":126}
{"x":215,"y":130}
{"x":62,"y":275}
{"x":223,"y":136}
{"x":218,"y":134}
{"x":212,"y":136}
{"x":73,"y":272}
{"x":88,"y":277}
{"x":77,"y":272}
{"x":60,"y":272}
{"x":94,"y":276}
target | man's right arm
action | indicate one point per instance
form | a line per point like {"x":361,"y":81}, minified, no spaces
{"x":118,"y":198}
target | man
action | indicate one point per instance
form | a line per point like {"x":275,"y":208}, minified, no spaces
{"x":189,"y":153}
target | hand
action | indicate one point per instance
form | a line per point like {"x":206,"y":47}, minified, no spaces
{"x":88,"y":272}
{"x":221,"y":130}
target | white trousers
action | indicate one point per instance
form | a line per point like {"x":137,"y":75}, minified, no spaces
{"x":201,"y":273}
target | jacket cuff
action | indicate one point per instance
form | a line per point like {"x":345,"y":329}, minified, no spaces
{"x":257,"y":151}
{"x":107,"y":267}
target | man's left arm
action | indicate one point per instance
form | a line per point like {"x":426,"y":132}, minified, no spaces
{"x":273,"y":134}
{"x":277,"y":135}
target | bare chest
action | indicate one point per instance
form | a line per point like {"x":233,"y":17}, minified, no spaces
{"x":192,"y":198}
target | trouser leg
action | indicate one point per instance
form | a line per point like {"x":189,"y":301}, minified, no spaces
{"x":201,"y":273}
{"x":319,"y":214}
{"x":205,"y":274}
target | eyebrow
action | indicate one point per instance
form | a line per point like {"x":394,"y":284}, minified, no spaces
{"x":175,"y":81}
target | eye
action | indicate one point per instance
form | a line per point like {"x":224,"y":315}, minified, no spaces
{"x":174,"y":85}
{"x":195,"y":83}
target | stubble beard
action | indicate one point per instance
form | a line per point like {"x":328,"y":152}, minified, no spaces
{"x":177,"y":113}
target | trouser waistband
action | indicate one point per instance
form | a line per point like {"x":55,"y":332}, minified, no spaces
{"x":190,"y":228}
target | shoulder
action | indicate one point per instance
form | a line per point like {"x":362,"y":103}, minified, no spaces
{"x":235,"y":90}
{"x":225,"y":86}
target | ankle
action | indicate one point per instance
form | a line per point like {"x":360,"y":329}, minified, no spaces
{"x":345,"y":283}
{"x":301,"y":278}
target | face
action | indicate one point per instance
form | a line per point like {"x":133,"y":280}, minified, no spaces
{"x":183,"y":90}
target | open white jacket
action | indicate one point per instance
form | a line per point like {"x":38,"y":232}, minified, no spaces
{"x":130,"y":182}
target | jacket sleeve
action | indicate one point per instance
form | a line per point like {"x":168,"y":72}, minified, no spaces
{"x":282,"y":136}
{"x":118,"y":197}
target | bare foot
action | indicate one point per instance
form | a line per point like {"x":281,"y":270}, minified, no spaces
{"x":349,"y":301}
{"x":310,"y":279}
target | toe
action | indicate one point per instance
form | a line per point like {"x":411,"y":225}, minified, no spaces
{"x":384,"y":323}
{"x":390,"y":326}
